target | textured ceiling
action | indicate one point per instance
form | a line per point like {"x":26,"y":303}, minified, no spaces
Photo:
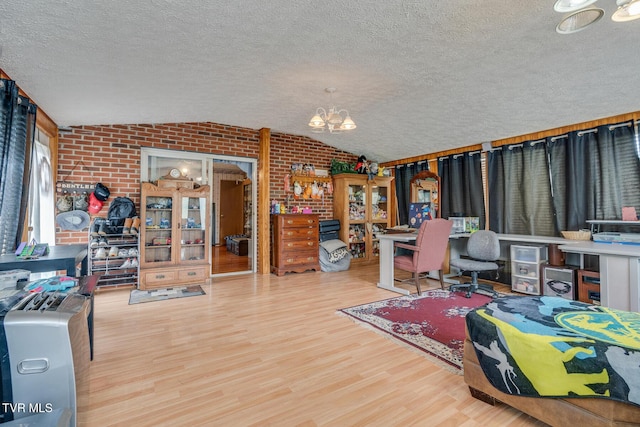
{"x":416,"y":76}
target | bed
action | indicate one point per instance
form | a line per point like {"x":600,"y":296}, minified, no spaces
{"x":563,"y":362}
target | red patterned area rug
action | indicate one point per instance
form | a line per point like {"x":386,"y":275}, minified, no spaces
{"x":432,"y":322}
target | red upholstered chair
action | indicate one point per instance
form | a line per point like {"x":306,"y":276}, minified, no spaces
{"x":429,"y":250}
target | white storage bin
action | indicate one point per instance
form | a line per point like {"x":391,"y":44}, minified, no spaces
{"x":536,"y":254}
{"x":526,"y":262}
{"x":527,"y":285}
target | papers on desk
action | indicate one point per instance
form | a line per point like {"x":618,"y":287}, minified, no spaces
{"x":624,"y":238}
{"x":400,"y":229}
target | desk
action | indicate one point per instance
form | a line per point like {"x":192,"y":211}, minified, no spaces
{"x":87,"y":287}
{"x":619,"y":272}
{"x":386,"y":259}
{"x":61,"y":257}
{"x":457,"y":247}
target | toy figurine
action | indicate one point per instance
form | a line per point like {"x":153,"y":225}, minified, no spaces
{"x":362,"y":166}
{"x":297,"y":189}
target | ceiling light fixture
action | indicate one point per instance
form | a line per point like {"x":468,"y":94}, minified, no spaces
{"x":628,"y":10}
{"x":332,"y":120}
{"x":565,"y":6}
{"x":581,"y":16}
{"x":579,"y":20}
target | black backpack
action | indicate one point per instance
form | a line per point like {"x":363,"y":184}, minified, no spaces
{"x":120,"y":209}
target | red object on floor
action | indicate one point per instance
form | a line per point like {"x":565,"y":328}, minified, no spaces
{"x":433,"y":322}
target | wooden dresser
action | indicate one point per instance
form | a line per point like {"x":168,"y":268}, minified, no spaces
{"x":294,"y":243}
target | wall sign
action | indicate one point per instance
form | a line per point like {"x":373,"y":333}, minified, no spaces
{"x":72,"y":196}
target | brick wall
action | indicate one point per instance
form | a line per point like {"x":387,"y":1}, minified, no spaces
{"x":111,"y":154}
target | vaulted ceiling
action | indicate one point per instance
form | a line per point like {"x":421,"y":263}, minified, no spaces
{"x":416,"y":76}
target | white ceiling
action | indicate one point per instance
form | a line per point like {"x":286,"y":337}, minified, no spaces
{"x":416,"y":76}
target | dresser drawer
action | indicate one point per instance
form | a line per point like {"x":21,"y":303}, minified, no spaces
{"x":299,"y":258}
{"x":196,"y":274}
{"x":288,"y":245}
{"x":160,"y":277}
{"x":299,"y":233}
{"x":299,"y":221}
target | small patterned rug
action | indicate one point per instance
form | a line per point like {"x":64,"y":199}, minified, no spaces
{"x":433,"y":322}
{"x":138,"y":296}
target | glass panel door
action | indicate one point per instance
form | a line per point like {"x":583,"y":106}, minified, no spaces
{"x":379,"y":215}
{"x":158,"y":229}
{"x":357,"y":217}
{"x":193,"y":244}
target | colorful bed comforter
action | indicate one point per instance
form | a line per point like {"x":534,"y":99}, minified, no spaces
{"x":553,"y":347}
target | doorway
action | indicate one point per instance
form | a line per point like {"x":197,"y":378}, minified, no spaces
{"x":233,"y":198}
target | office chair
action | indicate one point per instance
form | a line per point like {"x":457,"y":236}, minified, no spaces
{"x":429,"y":250}
{"x":483,"y":248}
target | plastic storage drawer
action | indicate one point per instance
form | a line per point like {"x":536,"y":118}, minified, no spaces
{"x":527,"y":285}
{"x":528,"y":253}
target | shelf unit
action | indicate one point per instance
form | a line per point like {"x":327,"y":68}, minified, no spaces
{"x":526,"y":262}
{"x":174,"y":236}
{"x":115,"y":270}
{"x":364,"y":208}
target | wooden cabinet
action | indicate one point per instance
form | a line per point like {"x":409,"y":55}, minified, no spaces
{"x":589,"y":286}
{"x":175,"y":235}
{"x":425,"y":188}
{"x":294,"y":243}
{"x":364,"y":208}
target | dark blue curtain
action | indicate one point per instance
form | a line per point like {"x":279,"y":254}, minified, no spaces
{"x":461,"y":192}
{"x":404,"y":173}
{"x":17,"y":129}
{"x":595,"y":174}
{"x":520,"y":190}
{"x":544,"y":187}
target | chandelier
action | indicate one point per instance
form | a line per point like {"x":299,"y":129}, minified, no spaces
{"x":581,"y":16}
{"x":332,"y":120}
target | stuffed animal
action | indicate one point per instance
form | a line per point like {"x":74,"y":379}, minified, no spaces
{"x":297,"y":190}
{"x":361,"y":165}
{"x":373,"y":169}
{"x":306,"y":194}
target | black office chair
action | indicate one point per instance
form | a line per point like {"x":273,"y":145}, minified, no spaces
{"x":483,"y":248}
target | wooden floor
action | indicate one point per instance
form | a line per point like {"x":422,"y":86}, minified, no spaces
{"x":262,"y":350}
{"x":227,"y":262}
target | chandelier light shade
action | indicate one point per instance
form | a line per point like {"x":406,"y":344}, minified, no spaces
{"x":334,"y":120}
{"x":628,"y":10}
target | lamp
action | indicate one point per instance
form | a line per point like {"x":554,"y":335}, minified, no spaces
{"x":333,"y":119}
{"x":581,"y":17}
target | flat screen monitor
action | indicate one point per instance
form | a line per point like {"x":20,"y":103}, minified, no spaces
{"x":419,"y":212}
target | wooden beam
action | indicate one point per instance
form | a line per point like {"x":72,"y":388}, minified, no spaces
{"x":264,"y":234}
{"x":518,"y":139}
